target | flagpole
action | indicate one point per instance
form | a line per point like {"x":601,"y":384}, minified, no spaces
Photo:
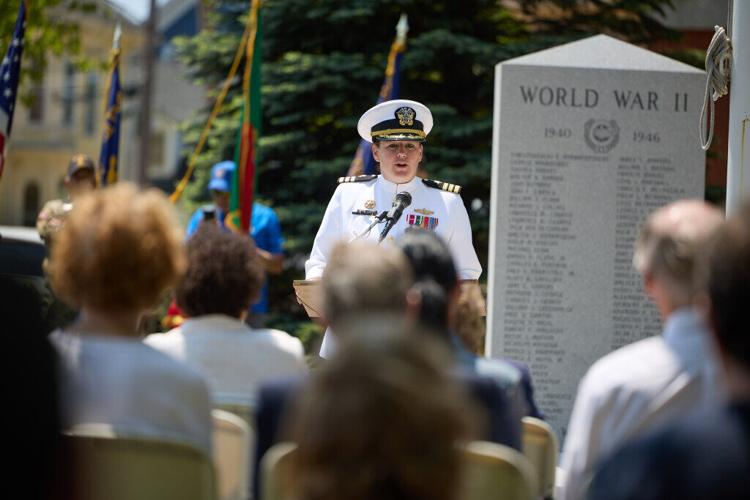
{"x":147,"y":90}
{"x":177,"y":194}
{"x":363,"y":157}
{"x":738,"y":167}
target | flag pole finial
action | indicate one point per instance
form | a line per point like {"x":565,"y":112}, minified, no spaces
{"x":116,"y":37}
{"x":402,"y":28}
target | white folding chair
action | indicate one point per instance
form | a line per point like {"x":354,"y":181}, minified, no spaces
{"x":118,"y":467}
{"x":233,"y":443}
{"x":540,"y":447}
{"x":496,"y":472}
{"x":242,"y":409}
{"x":272,"y":470}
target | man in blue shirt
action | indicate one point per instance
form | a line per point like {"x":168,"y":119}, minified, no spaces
{"x":264,"y":228}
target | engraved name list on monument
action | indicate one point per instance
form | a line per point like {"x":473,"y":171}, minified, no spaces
{"x":580,"y":156}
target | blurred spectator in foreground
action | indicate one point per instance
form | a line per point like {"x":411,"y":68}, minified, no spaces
{"x":366,"y":283}
{"x":31,"y":401}
{"x":367,"y":279}
{"x":117,"y":252}
{"x":705,"y":455}
{"x":224,"y":276}
{"x":653,"y":381}
{"x":392,"y":422}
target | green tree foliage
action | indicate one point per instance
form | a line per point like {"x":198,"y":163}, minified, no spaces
{"x":323,"y":66}
{"x":48,"y":32}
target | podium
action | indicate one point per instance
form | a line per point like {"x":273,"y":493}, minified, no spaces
{"x":310,"y":295}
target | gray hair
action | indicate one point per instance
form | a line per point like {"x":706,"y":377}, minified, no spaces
{"x":362,"y":277}
{"x":671,"y":242}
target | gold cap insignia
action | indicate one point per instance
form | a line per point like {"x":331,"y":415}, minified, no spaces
{"x":424,"y":211}
{"x":406,"y":116}
{"x":370,"y":204}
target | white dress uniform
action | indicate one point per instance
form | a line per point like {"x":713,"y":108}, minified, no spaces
{"x":436,"y":208}
{"x":358,"y":200}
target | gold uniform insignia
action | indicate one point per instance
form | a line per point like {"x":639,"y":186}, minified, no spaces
{"x":370,"y":204}
{"x":424,"y":211}
{"x":356,"y":178}
{"x":443,"y":186}
{"x":405,"y":116}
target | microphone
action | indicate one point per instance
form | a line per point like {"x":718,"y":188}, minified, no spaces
{"x":400,"y":202}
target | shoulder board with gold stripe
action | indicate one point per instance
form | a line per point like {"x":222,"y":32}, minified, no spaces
{"x":445,"y":186}
{"x":356,"y":178}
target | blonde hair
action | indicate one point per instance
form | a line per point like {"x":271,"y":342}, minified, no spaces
{"x":469,"y":324}
{"x":118,"y":250}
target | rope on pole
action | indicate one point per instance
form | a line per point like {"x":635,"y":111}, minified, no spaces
{"x":718,"y":74}
{"x":175,"y":196}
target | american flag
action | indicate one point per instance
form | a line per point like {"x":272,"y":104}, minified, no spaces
{"x":10,"y":70}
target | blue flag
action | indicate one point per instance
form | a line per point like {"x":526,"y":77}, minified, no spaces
{"x":363,"y":162}
{"x":10,"y":71}
{"x":108,"y":157}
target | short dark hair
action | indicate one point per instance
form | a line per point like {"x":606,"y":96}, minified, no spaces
{"x":224,"y":274}
{"x":728,"y":285}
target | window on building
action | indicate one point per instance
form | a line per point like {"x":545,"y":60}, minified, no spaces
{"x":156,"y":151}
{"x":30,"y":203}
{"x":68,"y":94}
{"x":36,"y":111}
{"x":92,"y":103}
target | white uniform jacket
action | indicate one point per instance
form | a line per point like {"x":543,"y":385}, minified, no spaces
{"x":431,"y":208}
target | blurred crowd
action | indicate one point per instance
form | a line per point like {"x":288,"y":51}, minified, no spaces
{"x":666,"y":417}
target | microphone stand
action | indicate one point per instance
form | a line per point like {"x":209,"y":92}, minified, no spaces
{"x":387,"y":229}
{"x":380,"y":218}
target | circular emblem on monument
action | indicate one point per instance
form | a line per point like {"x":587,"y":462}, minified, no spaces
{"x":601,"y":135}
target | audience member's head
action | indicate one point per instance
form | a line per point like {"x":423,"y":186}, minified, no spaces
{"x":224,"y":273}
{"x":81,"y":176}
{"x":392,"y":420}
{"x":668,"y":248}
{"x":435,"y":277}
{"x":364,"y":278}
{"x":220,"y":184}
{"x":118,"y":250}
{"x":469,"y":324}
{"x":727,"y":283}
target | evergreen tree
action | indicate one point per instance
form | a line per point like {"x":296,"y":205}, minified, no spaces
{"x":323,"y":66}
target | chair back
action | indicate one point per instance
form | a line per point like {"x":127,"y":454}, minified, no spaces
{"x":233,"y":443}
{"x":492,"y":472}
{"x":540,"y":447}
{"x":117,"y":467}
{"x":496,"y":472}
{"x":272,"y":470}
{"x":243,"y":410}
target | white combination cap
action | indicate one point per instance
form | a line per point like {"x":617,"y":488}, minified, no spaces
{"x":396,"y":120}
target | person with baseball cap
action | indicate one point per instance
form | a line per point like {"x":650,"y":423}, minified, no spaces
{"x":80,"y":178}
{"x":382,"y":207}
